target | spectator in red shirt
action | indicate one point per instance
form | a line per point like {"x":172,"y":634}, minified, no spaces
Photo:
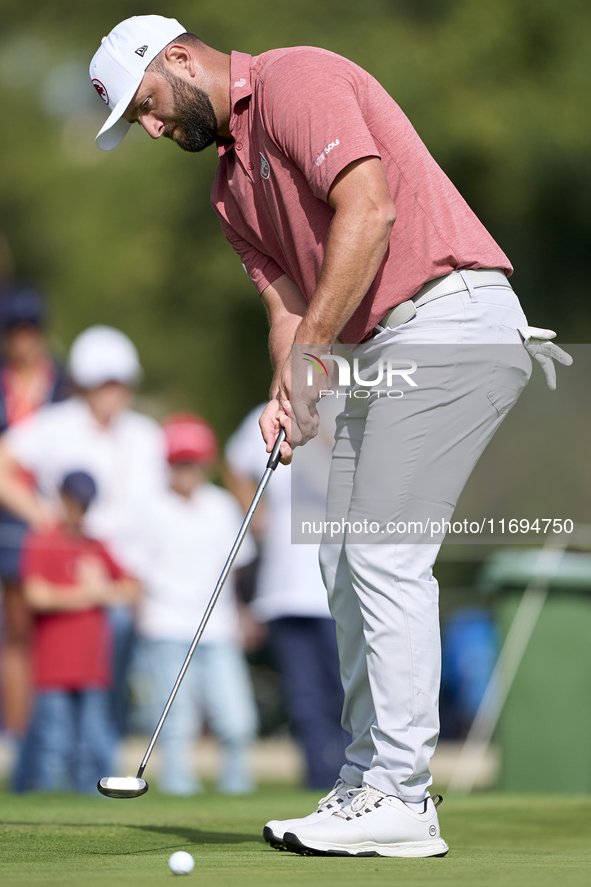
{"x":68,"y":580}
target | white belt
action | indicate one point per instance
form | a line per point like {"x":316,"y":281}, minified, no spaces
{"x":435,"y":289}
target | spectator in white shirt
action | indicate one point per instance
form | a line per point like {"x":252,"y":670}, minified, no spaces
{"x":188,"y":531}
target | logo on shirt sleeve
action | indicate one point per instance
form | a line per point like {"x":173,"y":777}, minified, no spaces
{"x":265,"y":168}
{"x":322,"y":156}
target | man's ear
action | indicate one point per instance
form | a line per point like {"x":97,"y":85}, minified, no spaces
{"x":180,"y":56}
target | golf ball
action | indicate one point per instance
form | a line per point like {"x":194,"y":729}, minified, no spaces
{"x":181,"y":863}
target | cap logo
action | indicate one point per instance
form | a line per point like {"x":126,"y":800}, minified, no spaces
{"x":141,"y":50}
{"x":100,"y":88}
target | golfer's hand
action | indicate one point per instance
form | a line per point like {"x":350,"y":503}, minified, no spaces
{"x":272,"y":420}
{"x":537,"y":343}
{"x":298,"y":400}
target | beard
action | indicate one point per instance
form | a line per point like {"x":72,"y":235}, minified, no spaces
{"x":193,"y":117}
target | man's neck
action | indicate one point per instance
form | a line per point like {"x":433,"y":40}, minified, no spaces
{"x":217,"y":66}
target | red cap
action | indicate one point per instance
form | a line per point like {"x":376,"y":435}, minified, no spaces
{"x":189,"y":438}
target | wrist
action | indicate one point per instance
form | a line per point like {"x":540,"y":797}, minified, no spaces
{"x":309,"y":333}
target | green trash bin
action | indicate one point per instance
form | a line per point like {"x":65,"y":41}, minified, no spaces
{"x":544,"y":732}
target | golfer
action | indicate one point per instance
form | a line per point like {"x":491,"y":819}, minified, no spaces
{"x":350,"y":232}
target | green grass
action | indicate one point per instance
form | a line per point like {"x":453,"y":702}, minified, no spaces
{"x":495,"y":839}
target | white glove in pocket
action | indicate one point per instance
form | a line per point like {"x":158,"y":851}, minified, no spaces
{"x":538,"y":344}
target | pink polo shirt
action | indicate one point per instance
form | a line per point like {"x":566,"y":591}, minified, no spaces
{"x":299,"y":117}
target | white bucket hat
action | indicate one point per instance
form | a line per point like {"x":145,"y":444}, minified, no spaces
{"x":118,"y":67}
{"x":103,"y":354}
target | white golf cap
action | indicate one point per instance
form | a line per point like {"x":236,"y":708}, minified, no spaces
{"x":118,"y":67}
{"x":103,"y":354}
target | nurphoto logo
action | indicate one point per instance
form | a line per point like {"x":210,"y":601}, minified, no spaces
{"x":386,"y":370}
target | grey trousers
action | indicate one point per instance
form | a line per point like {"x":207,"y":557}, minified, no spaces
{"x":400,"y":461}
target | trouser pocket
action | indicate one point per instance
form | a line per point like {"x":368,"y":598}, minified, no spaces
{"x":509,"y":376}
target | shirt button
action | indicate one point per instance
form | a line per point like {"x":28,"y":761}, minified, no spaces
{"x":251,"y":165}
{"x":239,"y":146}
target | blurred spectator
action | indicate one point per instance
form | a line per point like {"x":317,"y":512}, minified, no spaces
{"x":68,"y":579}
{"x":291,"y":599}
{"x":189,"y":532}
{"x":95,"y":431}
{"x":29,"y":378}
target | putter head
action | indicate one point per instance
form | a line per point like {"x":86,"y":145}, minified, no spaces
{"x":122,"y":786}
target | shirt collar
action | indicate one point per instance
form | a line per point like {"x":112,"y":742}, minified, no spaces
{"x":240,"y":89}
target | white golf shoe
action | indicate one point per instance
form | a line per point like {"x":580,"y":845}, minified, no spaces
{"x":372,"y":824}
{"x":341,"y":794}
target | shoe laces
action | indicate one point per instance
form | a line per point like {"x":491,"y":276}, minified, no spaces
{"x":334,"y":796}
{"x":362,"y":801}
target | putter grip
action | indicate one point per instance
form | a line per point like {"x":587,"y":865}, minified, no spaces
{"x":274,"y":457}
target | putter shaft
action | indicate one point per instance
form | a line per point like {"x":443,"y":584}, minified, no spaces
{"x":271,"y":466}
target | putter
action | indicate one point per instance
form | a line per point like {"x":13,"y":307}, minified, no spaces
{"x":134,"y":786}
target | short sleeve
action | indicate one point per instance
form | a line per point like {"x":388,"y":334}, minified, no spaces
{"x":27,"y":441}
{"x":314,"y":101}
{"x":262,"y":269}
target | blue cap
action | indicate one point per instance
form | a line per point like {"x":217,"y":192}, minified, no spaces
{"x":80,"y":486}
{"x":21,"y":305}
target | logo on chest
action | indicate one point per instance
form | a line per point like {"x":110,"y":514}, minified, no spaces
{"x":265,"y":168}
